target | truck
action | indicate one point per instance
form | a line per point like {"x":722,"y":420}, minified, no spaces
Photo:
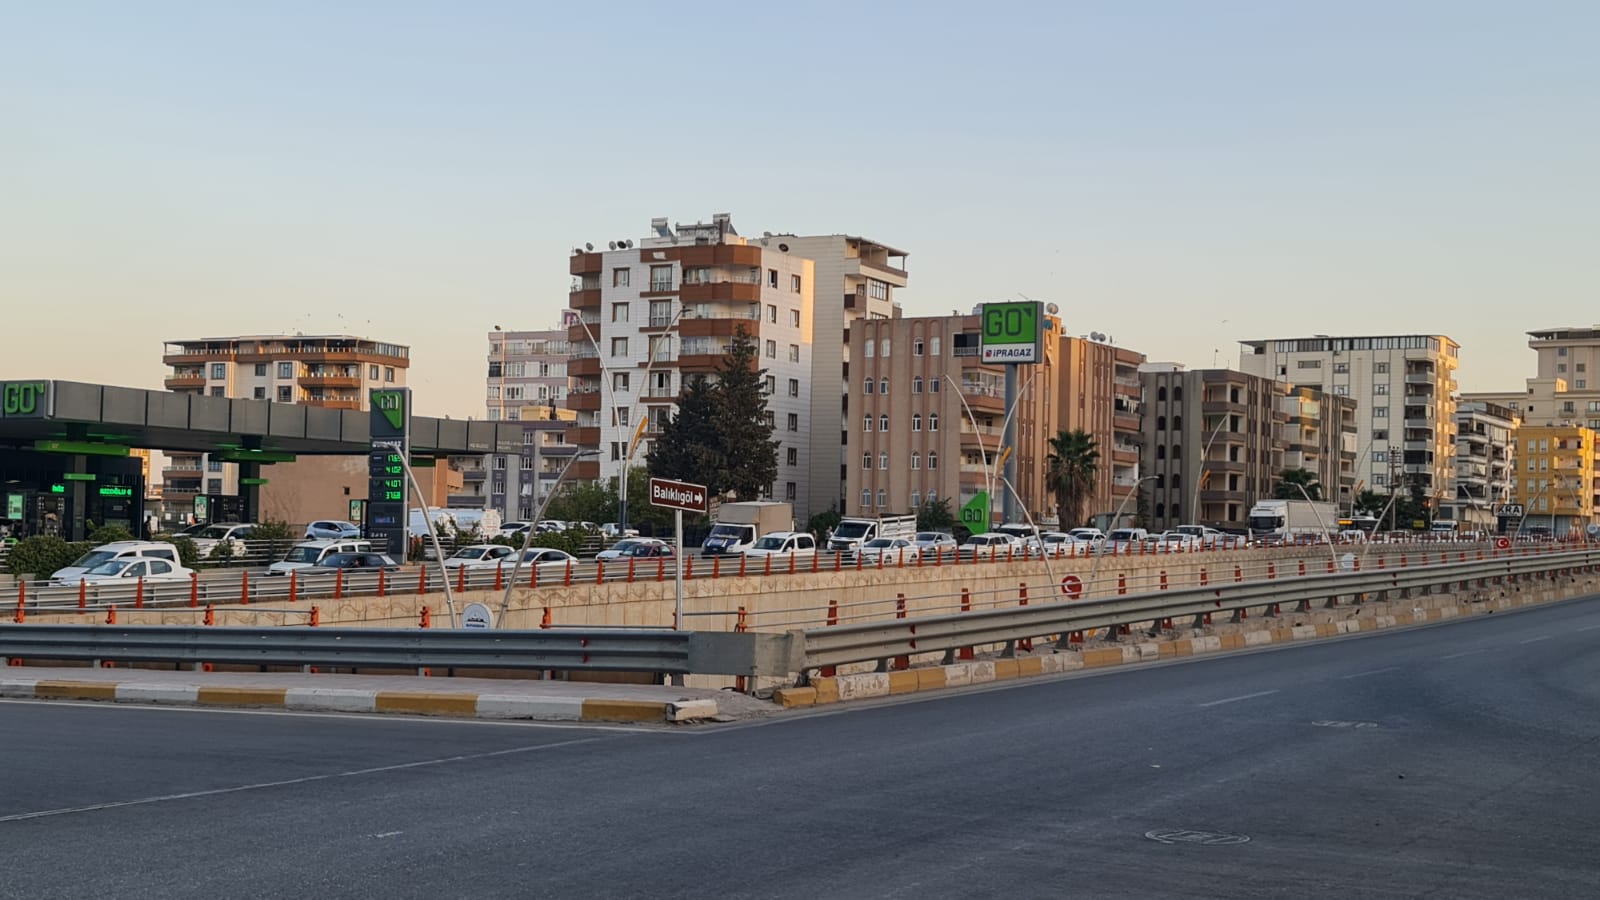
{"x":851,"y":533}
{"x":1281,"y":521}
{"x":740,"y":525}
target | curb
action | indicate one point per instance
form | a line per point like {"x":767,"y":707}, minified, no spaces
{"x":320,"y":699}
{"x":841,"y":688}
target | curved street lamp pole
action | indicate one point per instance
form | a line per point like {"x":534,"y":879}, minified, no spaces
{"x":611,"y":401}
{"x":1115,"y":518}
{"x":527,"y":537}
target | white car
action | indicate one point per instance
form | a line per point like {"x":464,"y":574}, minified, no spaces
{"x":513,"y":529}
{"x":542,"y":557}
{"x":891,"y":550}
{"x":996,"y":543}
{"x":114,"y":550}
{"x":784,"y":544}
{"x":311,"y":553}
{"x":207,"y":539}
{"x":1060,"y":543}
{"x":1094,"y":537}
{"x":1177,"y":542}
{"x":626,"y":548}
{"x":935,"y":541}
{"x":134,"y":568}
{"x":478,"y":556}
{"x":613,"y":530}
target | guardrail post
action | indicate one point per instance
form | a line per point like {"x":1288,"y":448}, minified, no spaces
{"x":83,"y":593}
{"x":1240,"y":614}
{"x":111,"y":614}
{"x":1272,"y":569}
{"x":210,"y":616}
{"x":599,"y":571}
{"x":338,"y":584}
{"x":194,"y":588}
{"x":716,"y":568}
{"x":316,"y":616}
{"x":901,"y":662}
{"x":138,"y":594}
{"x":688,"y":568}
{"x":791,"y":564}
{"x":500,"y":576}
{"x":567,"y":581}
{"x":244,"y":588}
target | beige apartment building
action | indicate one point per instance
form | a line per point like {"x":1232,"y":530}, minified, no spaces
{"x":1100,"y":393}
{"x":334,"y":371}
{"x":1213,"y":444}
{"x":650,"y":315}
{"x":1404,"y":388}
{"x":1486,"y":470}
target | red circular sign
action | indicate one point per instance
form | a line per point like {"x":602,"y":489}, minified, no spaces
{"x":1502,"y":543}
{"x":1072,"y":586}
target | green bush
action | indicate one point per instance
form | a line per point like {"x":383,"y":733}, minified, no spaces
{"x":41,"y":555}
{"x":107,"y":534}
{"x":272,"y":530}
{"x":188,"y":553}
{"x":570,"y":540}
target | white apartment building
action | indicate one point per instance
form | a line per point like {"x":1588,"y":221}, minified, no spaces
{"x":1486,"y":470}
{"x":1404,"y":388}
{"x":651,"y":315}
{"x":1564,"y":390}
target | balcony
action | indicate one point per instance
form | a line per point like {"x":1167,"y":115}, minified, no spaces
{"x":198,"y":355}
{"x":584,"y":435}
{"x":584,"y":401}
{"x":1222,"y":407}
{"x":583,"y":366}
{"x":183,"y":473}
{"x":333,"y":402}
{"x":584,"y":332}
{"x":718,"y":291}
{"x":1418,"y":420}
{"x":1428,"y":379}
{"x":584,"y":298}
{"x":331,"y":380}
{"x":472,"y":475}
{"x":719,"y":326}
{"x":183,"y":380}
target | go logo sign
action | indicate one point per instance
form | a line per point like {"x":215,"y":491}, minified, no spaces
{"x":22,"y":398}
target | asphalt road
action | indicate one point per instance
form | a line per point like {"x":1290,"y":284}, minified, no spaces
{"x":1454,"y":762}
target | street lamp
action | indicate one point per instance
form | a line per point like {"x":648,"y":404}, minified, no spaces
{"x":1115,"y":518}
{"x":527,"y":537}
{"x":633,"y":441}
{"x":1326,"y":535}
{"x":991,"y":462}
{"x":502,"y":398}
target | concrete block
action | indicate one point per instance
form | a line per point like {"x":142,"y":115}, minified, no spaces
{"x":930,"y":678}
{"x":1147,"y":650}
{"x":1029,"y":666}
{"x":543,"y":709}
{"x":330,"y":699}
{"x":17,"y":688}
{"x":903,"y":682}
{"x":861,"y":687}
{"x":791,"y":697}
{"x":1168,"y":649}
{"x":1303,"y":632}
{"x":1106,"y":657}
{"x":599,"y":710}
{"x":157,"y":693}
{"x":958,"y":675}
{"x":431,"y":704}
{"x":1068,"y":662}
{"x":1326,"y":629}
{"x":1209,"y":643}
{"x":690,"y":710}
{"x":827,"y":690}
{"x":1005,"y":669}
{"x":241,"y":696}
{"x":1257,"y":638}
{"x":76,"y":690}
{"x":1349,"y":626}
{"x":982,"y":672}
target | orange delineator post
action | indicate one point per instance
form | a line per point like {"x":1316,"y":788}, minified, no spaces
{"x":1381,"y":564}
{"x":791,"y":564}
{"x":1163,"y":581}
{"x":742,"y":560}
{"x":688,"y":568}
{"x":381,"y":582}
{"x":833,"y":619}
{"x":716,"y":568}
{"x":1238,"y":573}
{"x":1022,"y":600}
{"x":1272,"y":570}
{"x":1302,"y":568}
{"x":244,"y":588}
{"x":83,"y":593}
{"x":461,"y":580}
{"x":816,"y":561}
{"x":1330,"y":567}
{"x":338,"y":584}
{"x":1205,"y":578}
{"x":316,"y":616}
{"x":630,"y":569}
{"x":138,"y":594}
{"x":1122,"y":583}
{"x":966,"y":606}
{"x":544,"y":622}
{"x":568,"y":580}
{"x":661,"y":568}
{"x":858,"y":560}
{"x":293,"y":584}
{"x":194,"y":589}
{"x":500,"y":575}
{"x":422,"y":579}
{"x":426,"y":618}
{"x":111,"y":614}
{"x":22,"y":602}
{"x":599,"y":571}
{"x":836,"y":562}
{"x":211,"y":616}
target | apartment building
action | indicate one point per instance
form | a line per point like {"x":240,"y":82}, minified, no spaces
{"x":1563,"y":391}
{"x":1321,"y":437}
{"x":927,"y":418}
{"x":1213,"y":444}
{"x":1556,"y":482}
{"x":335,"y":371}
{"x":1099,"y":392}
{"x":651,"y":315}
{"x":1486,"y":475}
{"x":1404,"y":388}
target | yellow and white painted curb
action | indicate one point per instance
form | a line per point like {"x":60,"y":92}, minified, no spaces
{"x":328,"y":699}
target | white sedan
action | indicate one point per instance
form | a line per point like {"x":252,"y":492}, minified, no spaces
{"x":131,"y":569}
{"x":478,"y":556}
{"x":890,"y":550}
{"x":542,"y":557}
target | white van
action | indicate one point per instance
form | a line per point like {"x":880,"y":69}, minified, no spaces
{"x":114,"y":550}
{"x":1126,"y":539}
{"x":311,"y":553}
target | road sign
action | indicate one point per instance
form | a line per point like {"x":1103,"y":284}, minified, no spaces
{"x":389,"y":421}
{"x":476,"y":615}
{"x":1509,"y":511}
{"x":1010,"y":332}
{"x":1072,"y":586}
{"x":975,"y":514}
{"x":678,"y":495}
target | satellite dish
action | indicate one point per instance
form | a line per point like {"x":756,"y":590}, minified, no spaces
{"x":1051,"y":308}
{"x":613,"y":245}
{"x":628,"y":243}
{"x":589,"y":247}
{"x":784,"y":247}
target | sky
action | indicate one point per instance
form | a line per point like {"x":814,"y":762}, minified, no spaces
{"x":1178,"y":175}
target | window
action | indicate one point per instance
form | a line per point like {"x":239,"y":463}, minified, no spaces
{"x":619,"y":277}
{"x":866,"y":460}
{"x":1177,"y":394}
{"x":1161,"y":423}
{"x":877,"y":290}
{"x":372,"y":373}
{"x":792,"y":457}
{"x":660,"y":313}
{"x":285,"y":394}
{"x":1161,"y":393}
{"x":260,"y":393}
{"x":619,"y":312}
{"x":1341,"y":368}
{"x":1582,"y":383}
{"x":219,"y":392}
{"x":794,"y":353}
{"x":916,"y":385}
{"x":1380,"y":368}
{"x":794,"y":421}
{"x":1341,"y":390}
{"x":619,"y":381}
{"x":388,"y":374}
{"x":1380,"y":412}
{"x":933,"y":385}
{"x":1379,"y":456}
{"x":916,"y":499}
{"x":885,"y":348}
{"x":285,"y":370}
{"x":1580,"y":367}
{"x":883,"y":498}
{"x":933,"y":424}
{"x":772,"y":314}
{"x":213,"y":485}
{"x":771,"y":384}
{"x":772,"y":278}
{"x":794,"y":387}
{"x":789,"y":491}
{"x":883,"y":460}
{"x":660,"y":347}
{"x":1561,"y":351}
{"x":1177,"y":423}
{"x":1309,"y":364}
{"x":883,"y":386}
{"x":1381,"y":387}
{"x":794,"y":318}
{"x":933,"y":346}
{"x":1380,"y":434}
{"x":883,"y":424}
{"x":933,"y":459}
{"x":261,"y":370}
{"x":866,"y":498}
{"x":794,"y":284}
{"x":916,"y":422}
{"x":660,"y":278}
{"x":866,"y":423}
{"x":868,"y":386}
{"x":1560,"y":367}
{"x":619,"y":417}
{"x":871,"y":348}
{"x":619,"y":346}
{"x":772,"y":349}
{"x":213,"y":465}
{"x":916,"y":460}
{"x":916,"y":347}
{"x":770,"y":417}
{"x":1161,"y":451}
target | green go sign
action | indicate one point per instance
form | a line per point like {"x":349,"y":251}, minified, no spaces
{"x":23,"y":399}
{"x":1010,"y":332}
{"x":975,"y":514}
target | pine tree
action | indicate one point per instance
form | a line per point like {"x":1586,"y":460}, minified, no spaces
{"x":746,"y":436}
{"x":690,"y":446}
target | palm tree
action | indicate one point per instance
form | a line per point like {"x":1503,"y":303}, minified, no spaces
{"x":1288,"y":478}
{"x":1072,"y":466}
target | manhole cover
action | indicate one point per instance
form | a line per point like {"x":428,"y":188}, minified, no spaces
{"x":1188,"y":836}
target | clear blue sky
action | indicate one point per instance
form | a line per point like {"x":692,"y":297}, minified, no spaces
{"x":1179,"y":175}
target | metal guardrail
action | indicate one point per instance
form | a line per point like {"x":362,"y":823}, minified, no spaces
{"x":881,"y":640}
{"x":606,"y":650}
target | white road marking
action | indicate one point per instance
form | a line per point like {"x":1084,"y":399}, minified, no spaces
{"x":398,"y":767}
{"x":1537,"y":639}
{"x":1466,"y":653}
{"x":1241,"y":697}
{"x":1588,"y":628}
{"x":1373,"y":672}
{"x":387,"y":834}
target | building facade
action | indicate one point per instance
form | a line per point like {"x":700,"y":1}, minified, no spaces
{"x":1099,"y":393}
{"x":1321,"y":437}
{"x":1486,"y":444}
{"x":1404,"y":388}
{"x":1213,"y":444}
{"x":1556,"y":481}
{"x":650,"y":316}
{"x":335,"y":371}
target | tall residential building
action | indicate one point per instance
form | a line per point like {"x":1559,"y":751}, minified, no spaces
{"x":1564,"y":390}
{"x":1486,"y":472}
{"x":652,"y":315}
{"x":1099,"y":393}
{"x":335,"y":371}
{"x":1320,"y":437}
{"x":1556,"y":484}
{"x":927,"y":418}
{"x":1213,"y":444}
{"x":1404,"y":387}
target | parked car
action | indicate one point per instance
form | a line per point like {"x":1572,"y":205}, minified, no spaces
{"x":1122,"y":540}
{"x":332,"y":530}
{"x":1178,"y":542}
{"x":513,"y":529}
{"x":134,"y":568}
{"x":630,"y":547}
{"x":207,"y":539}
{"x":784,"y":544}
{"x":1060,"y":543}
{"x":994,"y":543}
{"x":1094,"y":537}
{"x":613,"y":531}
{"x":892,"y":551}
{"x":310,"y":553}
{"x":552,"y":525}
{"x":114,"y":551}
{"x":478,"y":556}
{"x":542,"y":557}
{"x":362,"y":561}
{"x":934,"y":542}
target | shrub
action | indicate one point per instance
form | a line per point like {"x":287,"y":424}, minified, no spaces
{"x":188,"y":553}
{"x":41,"y":555}
{"x":107,"y":534}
